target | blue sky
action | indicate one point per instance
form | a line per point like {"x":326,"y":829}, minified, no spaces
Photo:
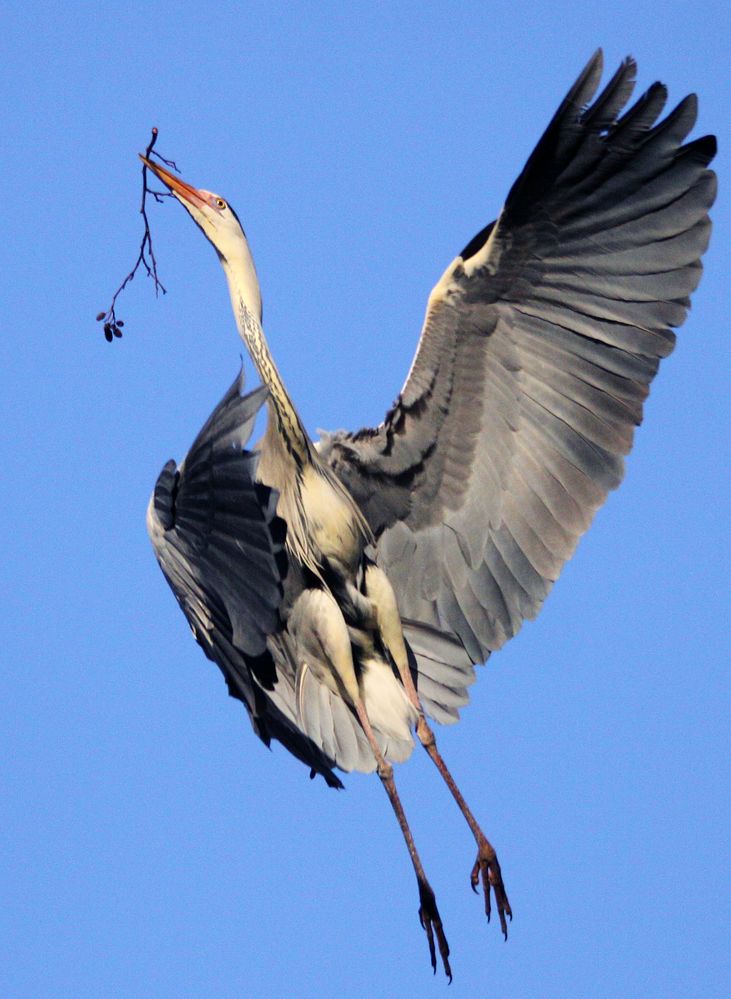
{"x":154,"y":848}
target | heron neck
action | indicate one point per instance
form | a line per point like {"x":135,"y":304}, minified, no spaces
{"x":246,"y":303}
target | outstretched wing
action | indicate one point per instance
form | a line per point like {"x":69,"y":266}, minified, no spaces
{"x":220,"y":546}
{"x":539,"y":344}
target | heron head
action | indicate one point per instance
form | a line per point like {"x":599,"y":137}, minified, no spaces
{"x":210,"y":211}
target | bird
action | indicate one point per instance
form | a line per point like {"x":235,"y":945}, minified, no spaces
{"x":348,"y":587}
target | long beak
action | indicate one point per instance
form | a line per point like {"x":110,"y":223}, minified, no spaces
{"x":185,"y":191}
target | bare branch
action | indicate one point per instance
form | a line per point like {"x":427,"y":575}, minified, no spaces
{"x":146,"y":255}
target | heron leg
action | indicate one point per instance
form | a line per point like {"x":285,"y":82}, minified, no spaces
{"x":428,"y":912}
{"x":486,"y":867}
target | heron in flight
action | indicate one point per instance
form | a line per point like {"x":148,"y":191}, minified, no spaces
{"x":347,"y":588}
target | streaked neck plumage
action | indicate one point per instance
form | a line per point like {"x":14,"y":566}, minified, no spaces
{"x":246,"y":303}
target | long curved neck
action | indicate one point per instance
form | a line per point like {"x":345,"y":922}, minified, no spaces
{"x":246,"y":304}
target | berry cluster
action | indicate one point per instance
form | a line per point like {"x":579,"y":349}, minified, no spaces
{"x":112,"y":327}
{"x":146,"y":255}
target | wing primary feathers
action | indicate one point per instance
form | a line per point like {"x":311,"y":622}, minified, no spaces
{"x":536,"y":355}
{"x":220,"y":545}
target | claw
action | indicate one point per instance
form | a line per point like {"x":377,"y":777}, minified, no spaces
{"x":487,"y":869}
{"x":475,"y":880}
{"x":432,"y":924}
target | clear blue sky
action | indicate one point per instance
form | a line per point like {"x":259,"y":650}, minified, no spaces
{"x":154,"y":848}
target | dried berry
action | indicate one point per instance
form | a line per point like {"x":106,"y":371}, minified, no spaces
{"x":145,"y":257}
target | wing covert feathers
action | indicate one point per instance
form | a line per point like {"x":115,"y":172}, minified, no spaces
{"x":215,"y":532}
{"x":536,"y":355}
{"x":220,"y":546}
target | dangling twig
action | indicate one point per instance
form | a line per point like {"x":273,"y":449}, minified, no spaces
{"x":146,"y":256}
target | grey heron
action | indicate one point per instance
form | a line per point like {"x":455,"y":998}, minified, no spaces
{"x":347,"y":588}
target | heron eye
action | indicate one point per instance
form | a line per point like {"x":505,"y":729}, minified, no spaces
{"x":220,"y":203}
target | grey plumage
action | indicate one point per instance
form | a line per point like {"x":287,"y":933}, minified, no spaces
{"x":221,"y":547}
{"x":348,"y":587}
{"x":528,"y":382}
{"x":534,"y":363}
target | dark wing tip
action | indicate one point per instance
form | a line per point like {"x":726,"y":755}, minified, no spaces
{"x":586,"y":84}
{"x":703,"y":149}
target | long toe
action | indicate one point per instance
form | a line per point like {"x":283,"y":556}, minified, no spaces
{"x":487,"y":870}
{"x":432,"y":924}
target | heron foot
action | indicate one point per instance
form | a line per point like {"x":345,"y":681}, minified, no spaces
{"x":432,"y":924}
{"x":487,"y":870}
